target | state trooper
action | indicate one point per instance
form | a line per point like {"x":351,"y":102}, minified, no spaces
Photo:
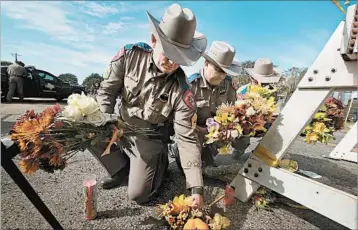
{"x":153,"y":91}
{"x":17,"y":72}
{"x":263,"y":73}
{"x":212,"y":86}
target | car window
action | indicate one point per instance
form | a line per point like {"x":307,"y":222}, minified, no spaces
{"x":46,"y":76}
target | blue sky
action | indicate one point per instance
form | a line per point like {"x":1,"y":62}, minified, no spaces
{"x":82,"y":37}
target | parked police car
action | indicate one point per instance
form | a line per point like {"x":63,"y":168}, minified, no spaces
{"x":40,"y":84}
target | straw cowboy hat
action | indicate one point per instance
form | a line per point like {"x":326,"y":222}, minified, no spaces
{"x":264,"y":72}
{"x":222,"y":55}
{"x":177,"y":36}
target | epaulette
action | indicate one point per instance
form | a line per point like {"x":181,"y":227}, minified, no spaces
{"x":228,"y":78}
{"x":142,"y":45}
{"x":182,"y":79}
{"x":192,"y":77}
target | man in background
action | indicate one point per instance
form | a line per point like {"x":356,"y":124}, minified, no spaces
{"x":17,"y":72}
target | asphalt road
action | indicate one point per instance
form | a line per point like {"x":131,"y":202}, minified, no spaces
{"x":61,"y":191}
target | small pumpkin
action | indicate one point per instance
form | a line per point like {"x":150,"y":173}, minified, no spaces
{"x":196,"y":224}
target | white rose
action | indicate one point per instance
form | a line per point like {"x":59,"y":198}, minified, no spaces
{"x":72,"y":113}
{"x":240,"y":102}
{"x":96,"y":118}
{"x":250,"y":111}
{"x":73,"y":99}
{"x":87,"y":105}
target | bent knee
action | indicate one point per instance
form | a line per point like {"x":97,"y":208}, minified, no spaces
{"x":138,"y":195}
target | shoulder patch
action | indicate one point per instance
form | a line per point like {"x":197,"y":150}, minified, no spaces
{"x":193,"y":77}
{"x":189,"y":100}
{"x":141,"y":45}
{"x":119,"y":54}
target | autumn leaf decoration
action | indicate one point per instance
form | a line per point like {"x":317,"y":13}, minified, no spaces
{"x":179,"y":214}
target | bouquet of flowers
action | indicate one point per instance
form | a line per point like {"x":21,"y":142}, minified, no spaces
{"x":47,"y":140}
{"x":325,"y":122}
{"x":335,"y":111}
{"x":247,"y":116}
{"x":317,"y":130}
{"x":179,"y":214}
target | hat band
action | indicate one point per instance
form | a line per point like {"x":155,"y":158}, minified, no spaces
{"x":222,"y":65}
{"x":172,"y":41}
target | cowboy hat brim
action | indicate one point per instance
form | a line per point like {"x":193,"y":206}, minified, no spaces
{"x":180,"y":55}
{"x":234,"y":70}
{"x":266,"y":79}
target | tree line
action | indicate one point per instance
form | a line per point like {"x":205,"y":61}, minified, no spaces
{"x":287,"y":85}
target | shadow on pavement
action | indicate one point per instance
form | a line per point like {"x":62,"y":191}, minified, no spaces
{"x":115,"y":213}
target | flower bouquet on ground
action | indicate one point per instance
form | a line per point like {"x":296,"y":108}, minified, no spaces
{"x":179,"y":214}
{"x":247,"y":116}
{"x":325,"y":122}
{"x":335,"y":111}
{"x":47,"y":140}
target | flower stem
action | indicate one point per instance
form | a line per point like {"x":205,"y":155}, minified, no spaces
{"x":217,"y":200}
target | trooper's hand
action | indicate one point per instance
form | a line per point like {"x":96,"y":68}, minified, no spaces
{"x":197,"y":200}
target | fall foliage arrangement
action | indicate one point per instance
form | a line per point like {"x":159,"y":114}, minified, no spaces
{"x":325,"y":122}
{"x":247,"y":116}
{"x":179,"y":214}
{"x":47,"y":140}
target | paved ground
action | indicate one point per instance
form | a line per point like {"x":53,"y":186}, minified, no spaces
{"x":61,"y":192}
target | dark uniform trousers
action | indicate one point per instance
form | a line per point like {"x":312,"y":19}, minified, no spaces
{"x":146,"y":161}
{"x":15,"y":83}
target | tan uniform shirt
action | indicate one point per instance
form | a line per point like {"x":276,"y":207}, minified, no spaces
{"x":151,"y":98}
{"x":16,"y":70}
{"x":208,"y":97}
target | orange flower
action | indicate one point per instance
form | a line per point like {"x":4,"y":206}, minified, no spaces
{"x":29,"y":166}
{"x":56,"y":160}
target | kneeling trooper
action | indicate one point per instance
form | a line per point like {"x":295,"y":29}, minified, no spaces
{"x":154,"y":91}
{"x":212,"y":86}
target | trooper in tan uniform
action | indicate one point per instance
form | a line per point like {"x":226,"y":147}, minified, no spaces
{"x":17,"y":72}
{"x":264,"y":73}
{"x":212,"y":86}
{"x":153,"y":91}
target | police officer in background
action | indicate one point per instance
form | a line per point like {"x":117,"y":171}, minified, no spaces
{"x":153,"y":91}
{"x":263,"y":73}
{"x":212,"y":86}
{"x":17,"y":72}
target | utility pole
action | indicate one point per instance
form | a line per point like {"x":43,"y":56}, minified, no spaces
{"x":15,"y":55}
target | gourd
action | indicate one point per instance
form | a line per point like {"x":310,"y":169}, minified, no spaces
{"x":196,"y":224}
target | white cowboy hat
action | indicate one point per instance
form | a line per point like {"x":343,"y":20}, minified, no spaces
{"x":222,"y":55}
{"x":177,"y":36}
{"x":264,"y":72}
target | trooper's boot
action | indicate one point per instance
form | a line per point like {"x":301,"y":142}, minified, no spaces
{"x":117,"y":180}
